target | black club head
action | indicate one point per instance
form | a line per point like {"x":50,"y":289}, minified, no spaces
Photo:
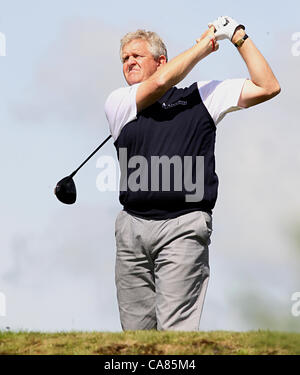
{"x":65,"y":190}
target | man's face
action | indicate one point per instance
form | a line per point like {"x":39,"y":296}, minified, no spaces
{"x":138,"y":63}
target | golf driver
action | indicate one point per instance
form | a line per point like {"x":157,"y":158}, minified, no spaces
{"x":65,"y":189}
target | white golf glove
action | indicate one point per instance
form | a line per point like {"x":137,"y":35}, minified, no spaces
{"x":225,"y":27}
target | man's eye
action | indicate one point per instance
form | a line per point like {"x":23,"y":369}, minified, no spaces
{"x":127,"y":57}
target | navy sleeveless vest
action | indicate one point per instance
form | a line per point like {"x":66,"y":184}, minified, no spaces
{"x":177,"y":127}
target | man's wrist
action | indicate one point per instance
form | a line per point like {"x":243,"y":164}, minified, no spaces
{"x":238,"y":34}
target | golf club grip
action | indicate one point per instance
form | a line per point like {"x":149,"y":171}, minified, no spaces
{"x":92,"y":154}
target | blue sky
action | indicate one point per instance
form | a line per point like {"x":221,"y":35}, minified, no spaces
{"x":57,"y":262}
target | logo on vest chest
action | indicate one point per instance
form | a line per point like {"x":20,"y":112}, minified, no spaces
{"x":172,"y":105}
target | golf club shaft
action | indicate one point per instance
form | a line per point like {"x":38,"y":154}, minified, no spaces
{"x":92,"y":154}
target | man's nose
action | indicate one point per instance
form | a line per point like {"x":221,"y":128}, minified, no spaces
{"x":131,"y":60}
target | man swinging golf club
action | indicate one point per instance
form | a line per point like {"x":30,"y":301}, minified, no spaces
{"x":162,"y":238}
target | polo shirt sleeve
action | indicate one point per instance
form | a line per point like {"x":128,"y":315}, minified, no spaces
{"x":120,"y":108}
{"x":221,"y":97}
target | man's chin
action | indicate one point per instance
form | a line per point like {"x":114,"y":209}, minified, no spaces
{"x":132,"y":81}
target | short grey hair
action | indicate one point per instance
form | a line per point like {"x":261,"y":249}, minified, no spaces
{"x":156,"y":45}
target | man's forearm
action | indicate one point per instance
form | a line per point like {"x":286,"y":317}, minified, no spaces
{"x":179,"y":67}
{"x":259,"y":70}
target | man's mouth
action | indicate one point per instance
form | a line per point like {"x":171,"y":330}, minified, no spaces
{"x":133,"y":70}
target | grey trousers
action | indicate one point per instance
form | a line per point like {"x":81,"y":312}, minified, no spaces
{"x":162,"y":270}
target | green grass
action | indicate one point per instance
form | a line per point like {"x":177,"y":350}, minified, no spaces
{"x":150,"y":342}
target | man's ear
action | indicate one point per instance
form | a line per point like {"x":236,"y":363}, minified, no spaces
{"x":161,"y":61}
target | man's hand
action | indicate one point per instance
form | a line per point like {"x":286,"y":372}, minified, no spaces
{"x":225,"y":27}
{"x":211,"y":37}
